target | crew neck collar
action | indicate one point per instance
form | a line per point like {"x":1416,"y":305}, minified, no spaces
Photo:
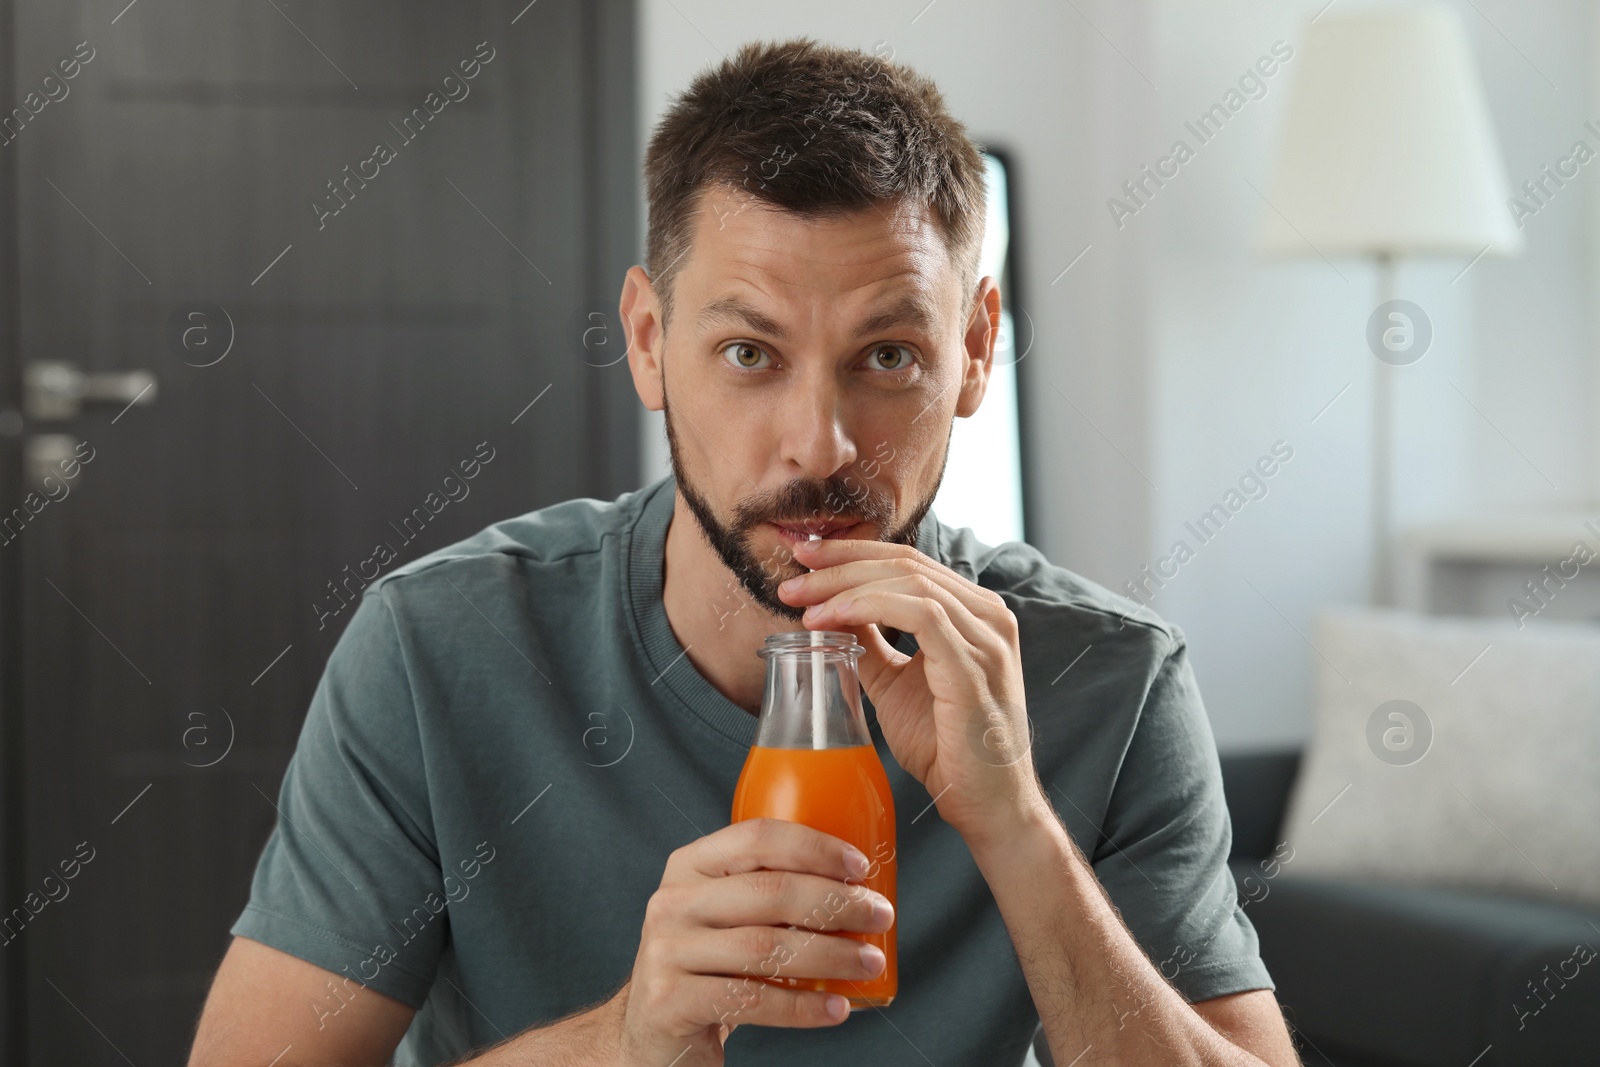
{"x":644,"y":554}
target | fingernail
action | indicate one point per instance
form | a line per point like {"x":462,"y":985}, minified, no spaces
{"x":838,"y":1007}
{"x":872,"y":958}
{"x":882,"y":913}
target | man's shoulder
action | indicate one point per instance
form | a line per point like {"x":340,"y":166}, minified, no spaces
{"x":556,"y":532}
{"x":1044,"y":594}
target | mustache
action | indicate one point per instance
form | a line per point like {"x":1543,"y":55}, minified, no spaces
{"x":800,"y":501}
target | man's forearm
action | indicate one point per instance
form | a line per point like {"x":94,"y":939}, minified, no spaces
{"x":586,"y":1038}
{"x":1092,"y":984}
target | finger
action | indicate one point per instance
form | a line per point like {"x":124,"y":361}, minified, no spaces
{"x":974,"y":629}
{"x":825,"y":553}
{"x":835,"y":549}
{"x":880,"y":655}
{"x":834,"y":578}
{"x":933,"y":640}
{"x":772,"y":898}
{"x":777,"y":952}
{"x":705,"y":1000}
{"x":777,"y":844}
{"x":886,"y":600}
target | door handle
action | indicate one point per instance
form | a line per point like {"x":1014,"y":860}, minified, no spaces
{"x":49,"y":454}
{"x":55,"y":390}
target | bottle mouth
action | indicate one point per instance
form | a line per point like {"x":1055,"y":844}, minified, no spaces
{"x":834,"y":641}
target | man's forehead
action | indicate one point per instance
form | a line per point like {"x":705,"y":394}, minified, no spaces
{"x":728,"y":215}
{"x":721,"y":199}
{"x":889,"y":254}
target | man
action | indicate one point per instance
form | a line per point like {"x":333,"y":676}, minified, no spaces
{"x":504,"y":832}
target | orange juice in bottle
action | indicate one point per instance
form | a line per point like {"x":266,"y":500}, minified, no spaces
{"x":813,"y":763}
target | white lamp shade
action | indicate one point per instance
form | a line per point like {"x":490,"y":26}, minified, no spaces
{"x":1387,"y":147}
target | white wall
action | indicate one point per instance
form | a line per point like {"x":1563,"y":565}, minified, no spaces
{"x":1248,"y":352}
{"x":1185,"y":358}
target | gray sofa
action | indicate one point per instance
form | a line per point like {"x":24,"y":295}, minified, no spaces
{"x":1390,"y":976}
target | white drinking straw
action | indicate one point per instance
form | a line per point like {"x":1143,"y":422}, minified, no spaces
{"x":818,"y":722}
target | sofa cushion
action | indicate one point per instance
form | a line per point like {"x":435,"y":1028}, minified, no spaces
{"x":1458,"y":753}
{"x":1423,"y":976}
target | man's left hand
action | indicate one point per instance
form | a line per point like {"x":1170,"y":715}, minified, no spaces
{"x":954,"y":714}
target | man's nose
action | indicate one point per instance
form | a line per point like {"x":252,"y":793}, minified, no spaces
{"x":816,"y":438}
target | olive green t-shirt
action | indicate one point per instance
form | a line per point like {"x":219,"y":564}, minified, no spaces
{"x":508,"y":741}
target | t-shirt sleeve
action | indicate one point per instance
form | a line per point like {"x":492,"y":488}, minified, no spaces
{"x":349,"y":878}
{"x":1163,"y":855}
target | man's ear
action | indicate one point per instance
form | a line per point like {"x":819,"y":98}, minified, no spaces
{"x":640,"y":312}
{"x":983,"y":327}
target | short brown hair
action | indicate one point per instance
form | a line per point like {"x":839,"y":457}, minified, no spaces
{"x":817,"y":130}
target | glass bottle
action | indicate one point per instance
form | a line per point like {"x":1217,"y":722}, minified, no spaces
{"x":813,"y":762}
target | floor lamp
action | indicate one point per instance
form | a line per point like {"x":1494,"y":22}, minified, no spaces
{"x":1387,"y":152}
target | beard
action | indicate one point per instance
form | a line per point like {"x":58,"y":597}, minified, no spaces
{"x":793,"y":503}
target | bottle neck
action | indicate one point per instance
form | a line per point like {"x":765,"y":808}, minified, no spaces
{"x":812,"y":697}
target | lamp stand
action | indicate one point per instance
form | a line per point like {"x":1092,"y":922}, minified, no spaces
{"x":1383,"y":390}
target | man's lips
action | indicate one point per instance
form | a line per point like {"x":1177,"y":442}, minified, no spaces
{"x":800,"y":531}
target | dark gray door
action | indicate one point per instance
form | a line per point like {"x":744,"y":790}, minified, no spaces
{"x":361,"y":250}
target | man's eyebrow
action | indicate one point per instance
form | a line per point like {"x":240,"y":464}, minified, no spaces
{"x":731,"y":310}
{"x":910,"y":309}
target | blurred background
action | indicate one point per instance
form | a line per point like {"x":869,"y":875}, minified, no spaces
{"x":1318,"y":386}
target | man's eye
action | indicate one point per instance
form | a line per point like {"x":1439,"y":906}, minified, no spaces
{"x":744,"y":354}
{"x":899,"y":357}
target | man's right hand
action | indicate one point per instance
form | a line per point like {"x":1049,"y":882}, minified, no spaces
{"x":718,"y":921}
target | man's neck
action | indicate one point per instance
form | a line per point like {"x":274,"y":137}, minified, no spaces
{"x":712,"y":615}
